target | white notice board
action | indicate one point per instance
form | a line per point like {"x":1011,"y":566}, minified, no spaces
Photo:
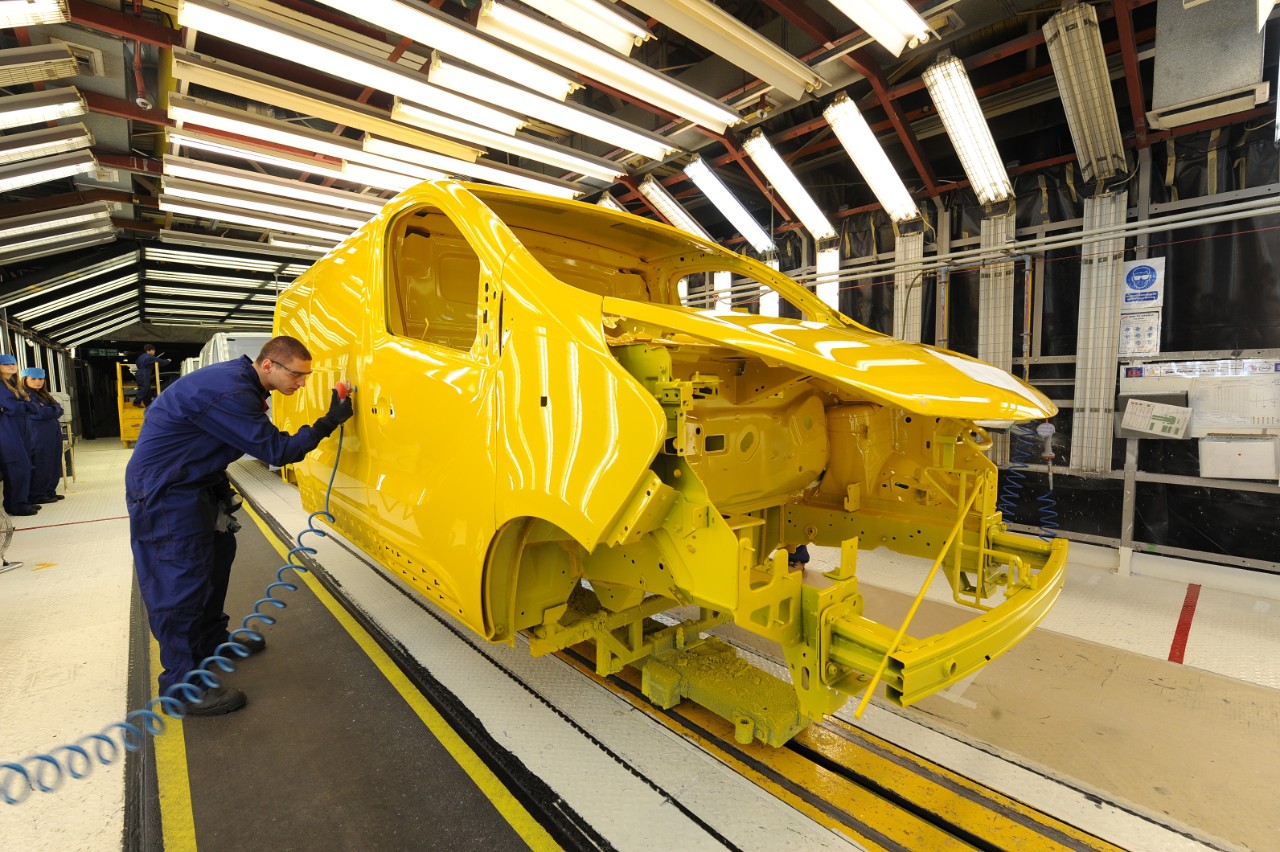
{"x":1238,"y":396}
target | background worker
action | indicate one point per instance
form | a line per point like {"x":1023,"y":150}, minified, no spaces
{"x":177,"y":493}
{"x":46,"y":438}
{"x":15,"y":440}
{"x":146,"y":375}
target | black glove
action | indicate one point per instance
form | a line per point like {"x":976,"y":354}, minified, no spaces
{"x":340,"y":411}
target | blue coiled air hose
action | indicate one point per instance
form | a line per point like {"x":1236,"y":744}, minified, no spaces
{"x":47,"y":771}
{"x":1021,"y":449}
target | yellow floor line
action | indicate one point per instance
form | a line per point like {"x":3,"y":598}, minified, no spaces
{"x":529,"y":829}
{"x":176,"y":817}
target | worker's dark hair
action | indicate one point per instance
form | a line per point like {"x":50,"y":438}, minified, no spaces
{"x":149,"y":348}
{"x":43,"y":393}
{"x":282,"y":348}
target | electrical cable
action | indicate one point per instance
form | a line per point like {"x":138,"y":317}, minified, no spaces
{"x":47,"y":771}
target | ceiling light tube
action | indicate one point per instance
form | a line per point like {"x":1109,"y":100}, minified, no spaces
{"x":45,"y":169}
{"x":183,"y":167}
{"x":588,"y":122}
{"x":558,"y":45}
{"x":609,"y":202}
{"x":235,"y":295}
{"x":104,"y":328}
{"x":735,"y":42}
{"x":36,"y":63}
{"x":225,"y":305}
{"x":429,"y":26}
{"x":728,"y":205}
{"x":82,"y":214}
{"x":196,"y":140}
{"x":193,"y":191}
{"x":91,"y":322}
{"x":601,"y":21}
{"x":44,"y":142}
{"x":957,"y":106}
{"x":77,"y":297}
{"x":480,"y":170}
{"x":242,"y":26}
{"x":59,"y":234}
{"x":797,"y":197}
{"x":243,"y":123}
{"x":369,"y":176}
{"x":39,"y":107}
{"x":672,"y":210}
{"x":186,"y":238}
{"x":523,"y":146}
{"x":71,"y":279}
{"x":256,"y":86}
{"x":32,"y":13}
{"x":58,"y":248}
{"x":185,"y":277}
{"x":864,"y":149}
{"x":291,"y":242}
{"x":893,"y":23}
{"x":1084,"y":84}
{"x":222,"y":261}
{"x":263,"y":221}
{"x":96,"y":307}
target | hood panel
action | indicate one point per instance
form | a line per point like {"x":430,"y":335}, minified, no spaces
{"x":911,"y":376}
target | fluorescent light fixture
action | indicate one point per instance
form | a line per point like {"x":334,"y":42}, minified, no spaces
{"x":94,"y":308}
{"x":864,"y":149}
{"x":243,"y":123}
{"x":770,"y":302}
{"x":194,"y":191}
{"x":31,"y":13}
{"x":957,"y":106}
{"x":560,"y":46}
{"x":728,"y":205}
{"x":243,"y":26}
{"x":600,"y":21}
{"x":81,"y":215}
{"x":826,"y":267}
{"x":256,"y":86}
{"x":798,"y":199}
{"x":59,"y":234}
{"x":91,"y":321}
{"x":428,"y":26}
{"x":264,"y":221}
{"x":90,"y":293}
{"x":199,"y":141}
{"x":71,"y":279}
{"x":609,"y":202}
{"x":569,"y":116}
{"x":185,"y":277}
{"x":187,"y":238}
{"x":1084,"y":83}
{"x":671,"y":209}
{"x":523,"y":146}
{"x":188,"y":169}
{"x":222,"y":261}
{"x":289,"y":241}
{"x":735,"y":42}
{"x":44,"y":142}
{"x":39,"y":107}
{"x":225,"y":305}
{"x":35,"y":63}
{"x":45,"y":169}
{"x":503,"y":176}
{"x":893,"y":23}
{"x":264,"y":298}
{"x":103,"y":328}
{"x":369,"y":176}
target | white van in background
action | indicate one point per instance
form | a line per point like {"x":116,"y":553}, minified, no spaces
{"x":190,"y":365}
{"x":227,"y":346}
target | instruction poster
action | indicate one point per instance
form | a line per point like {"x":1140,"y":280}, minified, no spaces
{"x":1163,"y":421}
{"x":1139,"y":334}
{"x":1143,"y":285}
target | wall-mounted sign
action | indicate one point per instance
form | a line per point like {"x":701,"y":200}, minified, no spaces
{"x":1143,"y":285}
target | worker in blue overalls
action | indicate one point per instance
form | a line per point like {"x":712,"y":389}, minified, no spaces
{"x":46,"y":438}
{"x":179,"y":499}
{"x":145,"y":375}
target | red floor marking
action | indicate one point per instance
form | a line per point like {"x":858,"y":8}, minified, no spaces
{"x":1180,"y":635}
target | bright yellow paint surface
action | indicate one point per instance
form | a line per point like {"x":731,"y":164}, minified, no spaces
{"x":536,"y":408}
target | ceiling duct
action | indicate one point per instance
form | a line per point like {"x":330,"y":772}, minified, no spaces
{"x":1208,"y":62}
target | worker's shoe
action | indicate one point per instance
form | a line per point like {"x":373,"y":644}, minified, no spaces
{"x":216,"y":702}
{"x":25,"y":510}
{"x":253,"y":644}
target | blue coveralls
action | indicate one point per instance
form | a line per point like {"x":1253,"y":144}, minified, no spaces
{"x":46,"y":448}
{"x":146,"y":376}
{"x":206,"y":420}
{"x":15,"y":450}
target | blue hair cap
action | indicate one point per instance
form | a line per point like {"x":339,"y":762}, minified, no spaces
{"x":8,"y":359}
{"x":33,"y":373}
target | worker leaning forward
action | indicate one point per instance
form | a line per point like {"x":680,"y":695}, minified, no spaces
{"x":176,"y":488}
